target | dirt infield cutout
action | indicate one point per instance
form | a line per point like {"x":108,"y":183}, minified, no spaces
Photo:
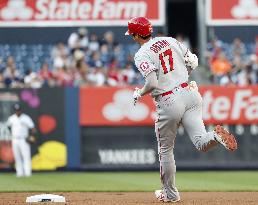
{"x":138,"y":198}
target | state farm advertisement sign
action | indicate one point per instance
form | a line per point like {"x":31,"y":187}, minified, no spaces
{"x":232,"y":12}
{"x":114,"y":106}
{"x":79,"y":12}
{"x":230,"y":105}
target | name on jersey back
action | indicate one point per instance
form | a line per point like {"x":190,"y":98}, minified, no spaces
{"x":156,"y":47}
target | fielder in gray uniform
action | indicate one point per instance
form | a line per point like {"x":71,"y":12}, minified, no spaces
{"x":165,"y":64}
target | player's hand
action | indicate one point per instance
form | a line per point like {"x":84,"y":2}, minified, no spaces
{"x":31,"y":139}
{"x":191,"y":60}
{"x":136,"y":95}
{"x":193,"y":86}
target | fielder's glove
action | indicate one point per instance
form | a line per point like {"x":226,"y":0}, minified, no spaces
{"x":191,"y":60}
{"x":31,"y":139}
{"x":136,"y":95}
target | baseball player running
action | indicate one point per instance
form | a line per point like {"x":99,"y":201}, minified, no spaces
{"x":165,"y":64}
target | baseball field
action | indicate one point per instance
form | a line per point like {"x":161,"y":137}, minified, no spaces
{"x":84,"y":188}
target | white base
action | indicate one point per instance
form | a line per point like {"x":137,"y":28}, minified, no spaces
{"x":45,"y":198}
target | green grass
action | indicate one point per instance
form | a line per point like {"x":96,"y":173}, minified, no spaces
{"x":128,"y":181}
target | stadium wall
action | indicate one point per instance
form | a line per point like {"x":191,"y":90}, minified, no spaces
{"x":55,"y":34}
{"x":100,"y":129}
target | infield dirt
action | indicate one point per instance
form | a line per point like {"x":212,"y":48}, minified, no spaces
{"x":138,"y":198}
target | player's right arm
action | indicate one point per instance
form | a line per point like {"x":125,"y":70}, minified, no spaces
{"x":191,"y":60}
{"x":9,"y":123}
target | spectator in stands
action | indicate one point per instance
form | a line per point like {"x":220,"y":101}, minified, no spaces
{"x":130,"y":60}
{"x":220,"y":67}
{"x":2,"y":84}
{"x":243,"y":76}
{"x":97,"y":77}
{"x":256,"y":47}
{"x":58,"y":50}
{"x":32,"y":80}
{"x":238,"y":48}
{"x":213,"y":50}
{"x":81,"y":71}
{"x":95,"y":60}
{"x":46,"y":75}
{"x":254,"y":67}
{"x":110,"y":43}
{"x":109,"y":40}
{"x":78,"y":40}
{"x":94,"y":43}
{"x":105,"y":55}
{"x":80,"y":76}
{"x":64,"y":76}
{"x":11,"y":74}
{"x":78,"y":60}
{"x":1,"y":65}
{"x":128,"y":75}
{"x":114,"y":63}
{"x":242,"y":72}
{"x":59,"y":55}
{"x":113,"y":76}
{"x":119,"y":55}
{"x":247,"y":75}
{"x":226,"y":80}
{"x":11,"y":68}
{"x":78,"y":56}
{"x":13,"y":81}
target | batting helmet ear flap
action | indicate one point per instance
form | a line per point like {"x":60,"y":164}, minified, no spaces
{"x":127,"y":33}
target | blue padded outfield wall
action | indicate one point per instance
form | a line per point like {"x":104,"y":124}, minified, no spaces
{"x":72,"y":127}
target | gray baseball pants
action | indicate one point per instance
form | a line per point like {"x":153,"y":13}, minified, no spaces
{"x":184,"y":106}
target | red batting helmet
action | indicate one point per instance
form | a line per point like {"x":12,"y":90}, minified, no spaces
{"x":139,"y":25}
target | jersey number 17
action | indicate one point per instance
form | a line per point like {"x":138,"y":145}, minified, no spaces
{"x":163,"y":55}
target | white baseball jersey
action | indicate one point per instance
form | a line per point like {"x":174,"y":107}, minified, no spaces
{"x":20,"y":125}
{"x":165,"y":55}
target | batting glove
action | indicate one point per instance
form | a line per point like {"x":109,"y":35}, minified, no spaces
{"x":193,"y":86}
{"x":191,"y":60}
{"x":136,"y":95}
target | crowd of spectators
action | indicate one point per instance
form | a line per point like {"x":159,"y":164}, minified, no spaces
{"x":235,"y":63}
{"x":92,"y":60}
{"x":85,"y":60}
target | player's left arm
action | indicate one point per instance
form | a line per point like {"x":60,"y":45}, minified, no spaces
{"x":31,"y":126}
{"x":32,"y":131}
{"x":151,"y":83}
{"x":147,"y":69}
